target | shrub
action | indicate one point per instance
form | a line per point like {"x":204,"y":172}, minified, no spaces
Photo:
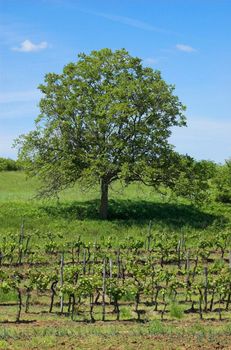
{"x":222,"y":183}
{"x":7,"y":164}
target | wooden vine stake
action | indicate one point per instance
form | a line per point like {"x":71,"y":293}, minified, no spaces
{"x":187,"y":262}
{"x":179,"y":253}
{"x":149,"y":234}
{"x":206,"y":288}
{"x":19,"y":304}
{"x":110,"y":274}
{"x":104,"y":291}
{"x":118,"y":264}
{"x":187,"y":270}
{"x":84,"y":261}
{"x":21,"y":238}
{"x":61,"y":281}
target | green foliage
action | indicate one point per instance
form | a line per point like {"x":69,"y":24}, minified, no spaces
{"x":7,"y":295}
{"x":222,"y":183}
{"x":125,"y":313}
{"x":156,"y":327}
{"x":176,"y":310}
{"x":193,"y":181}
{"x":105,"y":117}
{"x":7,"y":164}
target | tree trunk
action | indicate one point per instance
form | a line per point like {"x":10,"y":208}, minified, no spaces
{"x":103,"y":210}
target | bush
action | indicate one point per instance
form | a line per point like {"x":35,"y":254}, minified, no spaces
{"x":7,"y":164}
{"x":222,"y":183}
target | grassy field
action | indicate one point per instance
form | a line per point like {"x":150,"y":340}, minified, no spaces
{"x":75,"y":214}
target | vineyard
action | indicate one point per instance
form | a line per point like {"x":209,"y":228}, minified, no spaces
{"x":159,"y":276}
{"x":143,"y":279}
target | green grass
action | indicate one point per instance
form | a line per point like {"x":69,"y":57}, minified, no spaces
{"x":154,"y":335}
{"x":176,"y":310}
{"x":76,"y":212}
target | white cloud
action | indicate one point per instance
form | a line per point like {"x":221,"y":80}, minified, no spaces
{"x":185,"y":48}
{"x":28,"y":46}
{"x":132,"y":22}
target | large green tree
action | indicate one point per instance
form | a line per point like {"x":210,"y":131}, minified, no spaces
{"x":105,"y":117}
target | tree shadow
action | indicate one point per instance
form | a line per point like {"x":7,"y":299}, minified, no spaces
{"x":18,"y":322}
{"x":129,"y":212}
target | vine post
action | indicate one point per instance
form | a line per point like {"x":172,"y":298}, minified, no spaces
{"x":61,"y":281}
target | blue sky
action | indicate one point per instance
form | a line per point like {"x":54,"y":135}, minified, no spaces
{"x":188,"y":40}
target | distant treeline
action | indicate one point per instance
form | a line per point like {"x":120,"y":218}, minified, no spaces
{"x":207,"y":179}
{"x":7,"y":164}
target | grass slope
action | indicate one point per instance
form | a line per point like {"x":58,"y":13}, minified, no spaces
{"x":75,"y":213}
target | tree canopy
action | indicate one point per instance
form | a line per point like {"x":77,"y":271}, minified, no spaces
{"x":193,"y":180}
{"x":105,"y":117}
{"x":222,"y":182}
{"x":7,"y":164}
